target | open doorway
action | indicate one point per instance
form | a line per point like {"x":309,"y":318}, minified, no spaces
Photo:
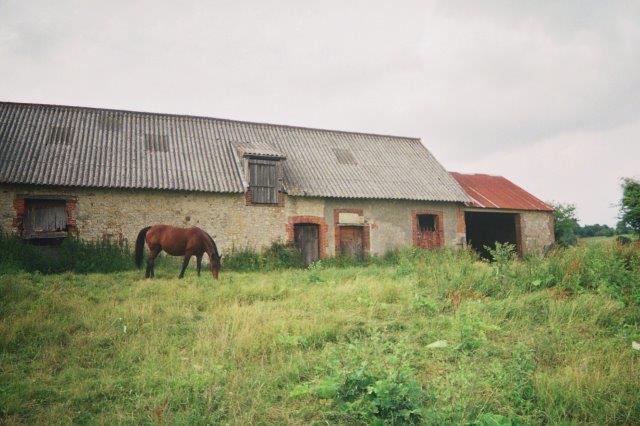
{"x":484,"y":229}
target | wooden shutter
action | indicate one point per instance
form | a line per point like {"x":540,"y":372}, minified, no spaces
{"x":263,"y":180}
{"x":45,"y":218}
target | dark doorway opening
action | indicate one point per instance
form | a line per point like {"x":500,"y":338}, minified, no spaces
{"x":307,"y":240}
{"x":485,"y":229}
{"x":351,"y":241}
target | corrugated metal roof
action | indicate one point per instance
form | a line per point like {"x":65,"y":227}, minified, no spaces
{"x":497,"y":192}
{"x":78,"y":146}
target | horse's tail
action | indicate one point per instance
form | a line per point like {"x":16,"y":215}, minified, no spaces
{"x":140,"y":245}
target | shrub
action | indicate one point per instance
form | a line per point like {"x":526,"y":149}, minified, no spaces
{"x":502,"y":253}
{"x":369,"y":396}
{"x":72,"y":254}
{"x":277,"y":256}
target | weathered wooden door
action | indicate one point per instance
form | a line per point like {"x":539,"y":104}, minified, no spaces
{"x":351,"y":241}
{"x":306,"y":238}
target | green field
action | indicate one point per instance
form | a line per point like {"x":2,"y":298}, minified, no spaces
{"x":544,"y":340}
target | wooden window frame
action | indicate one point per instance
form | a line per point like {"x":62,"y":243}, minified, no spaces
{"x":276,"y":197}
{"x":21,"y":206}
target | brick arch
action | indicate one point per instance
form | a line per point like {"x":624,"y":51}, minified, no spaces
{"x":314,"y":220}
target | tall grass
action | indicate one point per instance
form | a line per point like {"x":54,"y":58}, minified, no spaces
{"x":72,"y":254}
{"x":534,"y":341}
{"x":277,"y":256}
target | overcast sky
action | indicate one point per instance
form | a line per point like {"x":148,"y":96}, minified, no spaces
{"x":546,"y":94}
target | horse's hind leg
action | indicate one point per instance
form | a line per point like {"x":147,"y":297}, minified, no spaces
{"x":199,"y":263}
{"x":153,"y":253}
{"x":185,"y":262}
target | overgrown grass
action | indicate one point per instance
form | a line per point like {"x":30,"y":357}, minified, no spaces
{"x":72,"y":254}
{"x":542,"y":340}
{"x":278,"y":256}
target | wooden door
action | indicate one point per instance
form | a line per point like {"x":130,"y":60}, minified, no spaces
{"x":351,"y":241}
{"x":306,"y":238}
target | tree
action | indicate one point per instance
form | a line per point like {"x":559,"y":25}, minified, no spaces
{"x":630,"y":204}
{"x":596,"y":230}
{"x":622,"y":227}
{"x":566,"y":226}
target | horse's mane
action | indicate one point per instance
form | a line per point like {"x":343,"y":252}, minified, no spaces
{"x":211,"y":245}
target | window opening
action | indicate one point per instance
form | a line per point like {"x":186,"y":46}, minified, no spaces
{"x":156,"y":143}
{"x":111,"y":123}
{"x":426,"y":222}
{"x":60,"y":135}
{"x":344,"y":156}
{"x":263,"y":181}
{"x":45,"y":219}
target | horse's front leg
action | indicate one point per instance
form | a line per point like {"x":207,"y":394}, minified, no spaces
{"x":199,"y":263}
{"x":185,"y":262}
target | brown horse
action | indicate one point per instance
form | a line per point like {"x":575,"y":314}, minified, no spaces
{"x":184,"y":242}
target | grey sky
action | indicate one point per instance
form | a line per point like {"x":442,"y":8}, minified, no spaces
{"x":546,"y":94}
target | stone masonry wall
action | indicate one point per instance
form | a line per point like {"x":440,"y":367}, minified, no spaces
{"x":118,"y":214}
{"x":390,"y":222}
{"x":536,"y":231}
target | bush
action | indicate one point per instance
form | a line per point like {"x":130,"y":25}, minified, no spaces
{"x":368,"y":394}
{"x":277,"y":256}
{"x":72,"y":254}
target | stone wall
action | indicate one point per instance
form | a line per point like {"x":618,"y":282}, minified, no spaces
{"x":118,"y":214}
{"x":537,"y":231}
{"x":390,"y":222}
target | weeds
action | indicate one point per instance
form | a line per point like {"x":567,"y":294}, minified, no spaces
{"x":72,"y":254}
{"x":544,"y":340}
{"x":276,"y":257}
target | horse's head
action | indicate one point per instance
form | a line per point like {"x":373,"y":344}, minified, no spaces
{"x":214,"y":264}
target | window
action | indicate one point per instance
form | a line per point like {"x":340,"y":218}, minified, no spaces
{"x":156,"y":143}
{"x":263,"y":181}
{"x":344,"y":156}
{"x":427,"y":230}
{"x":45,"y":219}
{"x":110,"y":123}
{"x":60,"y":135}
{"x":426,"y":222}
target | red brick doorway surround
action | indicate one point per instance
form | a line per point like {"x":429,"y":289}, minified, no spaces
{"x":313,"y":220}
{"x":366,"y":236}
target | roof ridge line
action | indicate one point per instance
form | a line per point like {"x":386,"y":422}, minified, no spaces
{"x":203,"y":117}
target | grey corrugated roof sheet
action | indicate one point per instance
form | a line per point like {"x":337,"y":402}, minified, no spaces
{"x":89,"y":147}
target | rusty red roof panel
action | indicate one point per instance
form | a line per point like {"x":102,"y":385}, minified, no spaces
{"x":496,"y":192}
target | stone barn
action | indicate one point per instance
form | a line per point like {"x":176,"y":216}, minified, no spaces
{"x":501,"y":211}
{"x":105,"y":174}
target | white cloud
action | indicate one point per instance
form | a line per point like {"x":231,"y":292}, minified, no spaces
{"x":584,"y":169}
{"x":486,"y":85}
